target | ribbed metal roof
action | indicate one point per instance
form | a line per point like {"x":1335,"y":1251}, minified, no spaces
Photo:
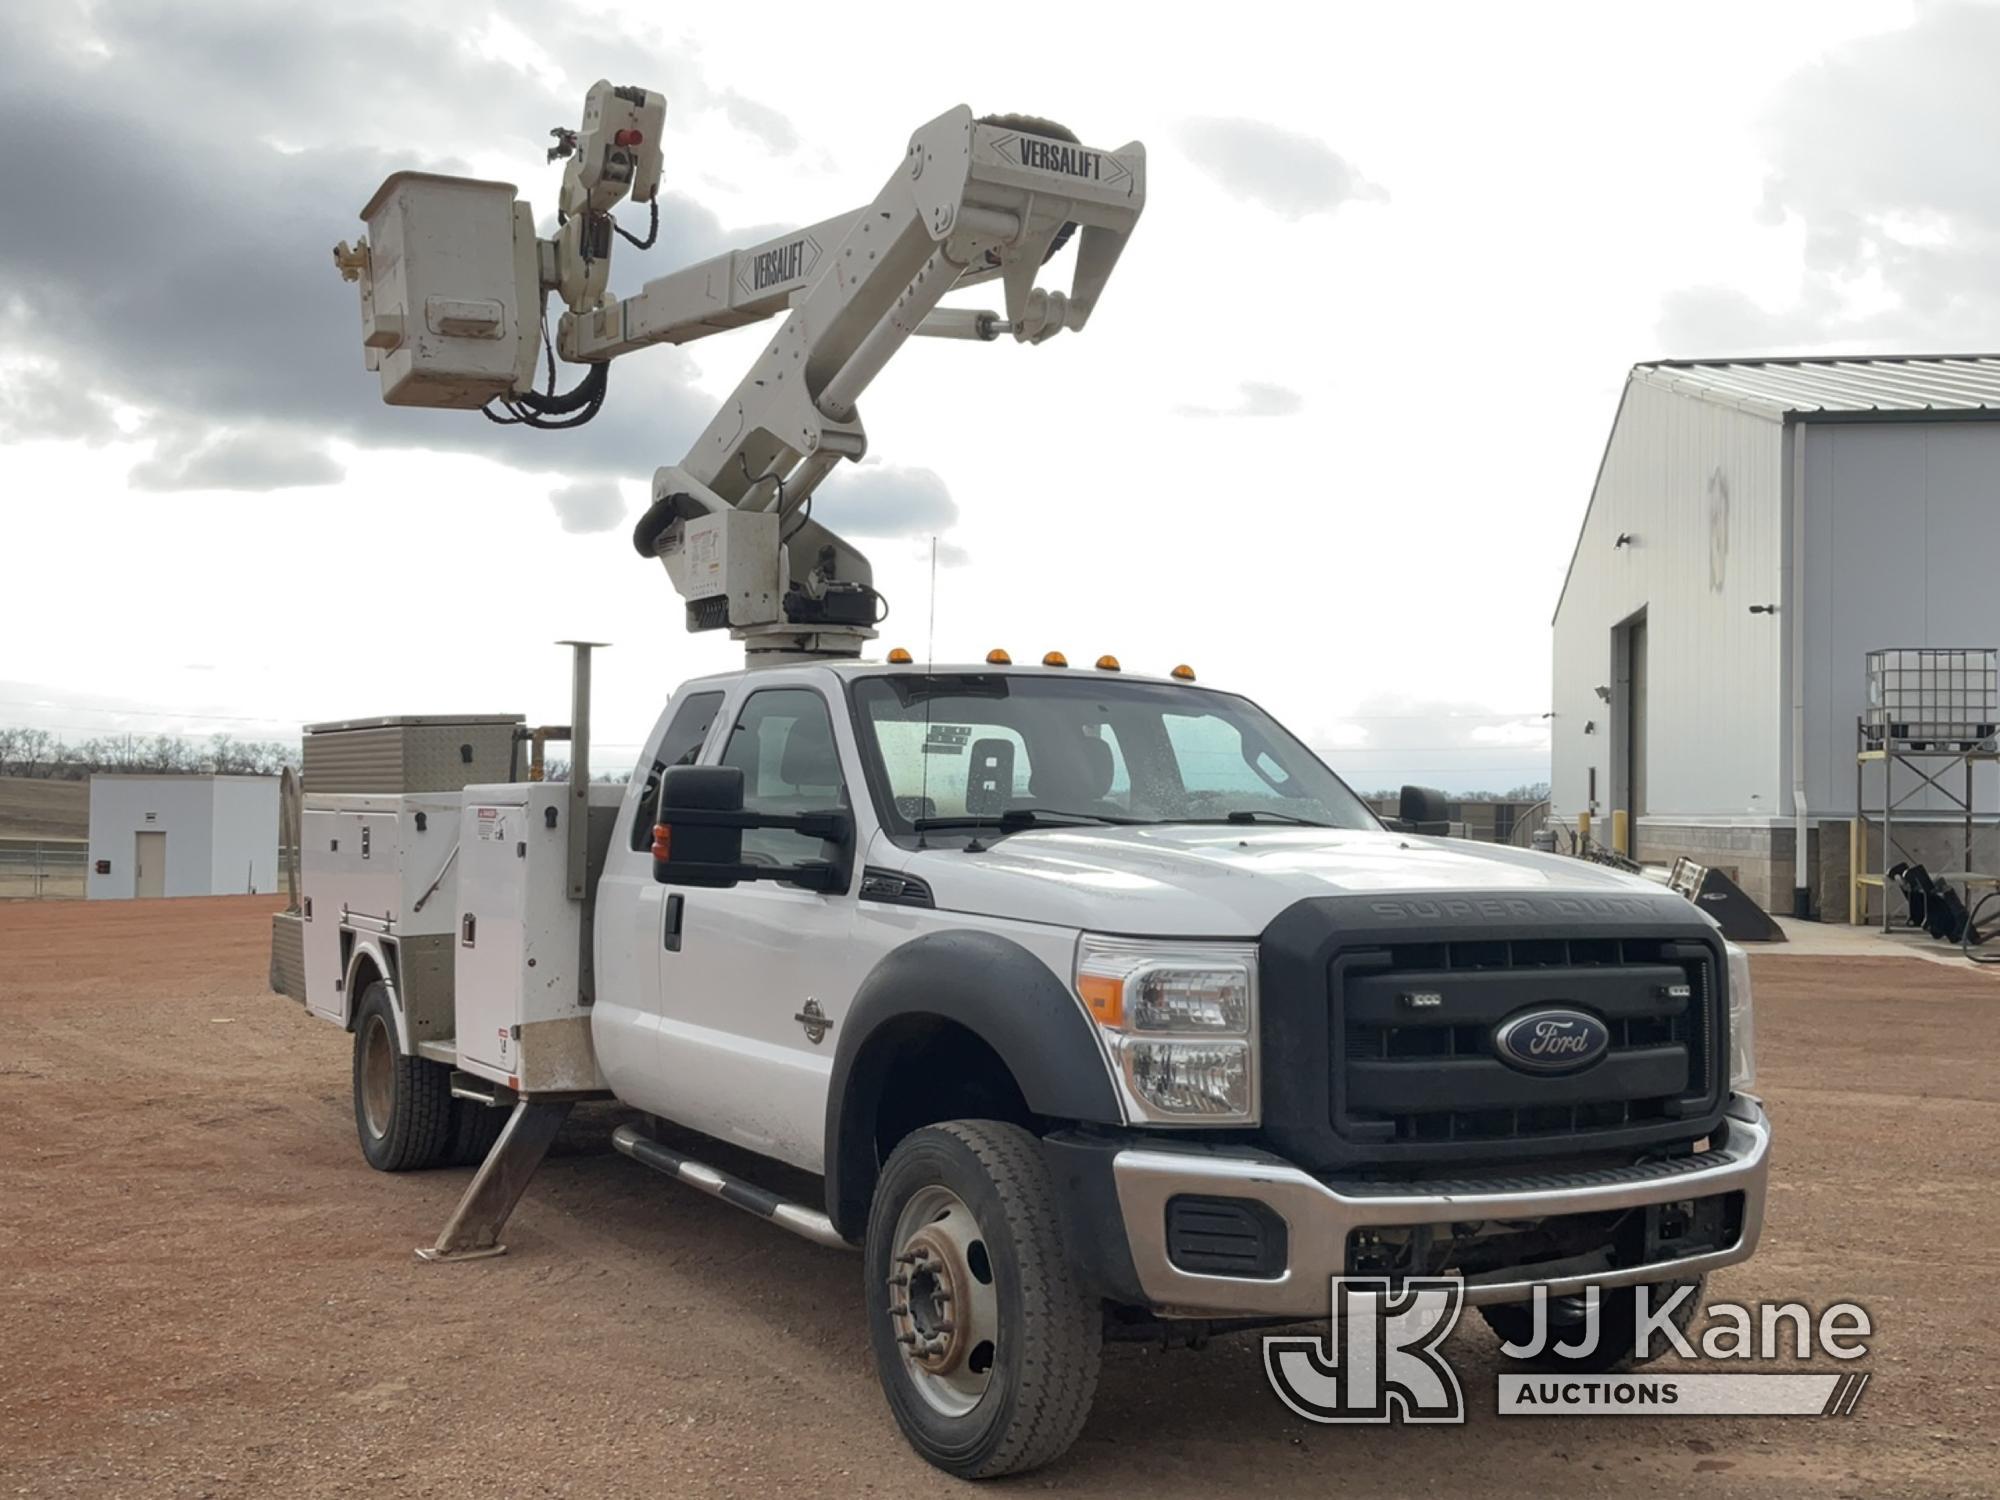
{"x":1783,"y":387}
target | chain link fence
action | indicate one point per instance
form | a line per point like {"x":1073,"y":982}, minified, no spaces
{"x":42,"y":869}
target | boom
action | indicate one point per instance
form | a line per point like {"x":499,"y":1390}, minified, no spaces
{"x":454,"y":278}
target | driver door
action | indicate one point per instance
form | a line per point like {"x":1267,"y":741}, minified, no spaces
{"x":736,"y":1061}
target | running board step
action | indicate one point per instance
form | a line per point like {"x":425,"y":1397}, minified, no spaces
{"x":805,"y":1222}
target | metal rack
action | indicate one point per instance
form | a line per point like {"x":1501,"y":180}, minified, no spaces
{"x":1932,"y":762}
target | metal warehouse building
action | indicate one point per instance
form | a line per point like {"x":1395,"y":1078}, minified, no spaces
{"x":1757,"y":527}
{"x":182,"y":836}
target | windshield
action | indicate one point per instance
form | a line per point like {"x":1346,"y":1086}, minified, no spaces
{"x":1033,"y":750}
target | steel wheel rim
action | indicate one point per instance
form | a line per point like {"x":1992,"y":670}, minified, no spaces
{"x":944,"y":1310}
{"x":378,"y":1067}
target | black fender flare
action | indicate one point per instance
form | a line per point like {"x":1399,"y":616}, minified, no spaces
{"x":1001,"y":993}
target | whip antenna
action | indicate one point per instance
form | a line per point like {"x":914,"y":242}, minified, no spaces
{"x":930,"y":689}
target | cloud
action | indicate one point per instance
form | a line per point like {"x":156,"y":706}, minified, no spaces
{"x":1878,"y":151}
{"x":949,"y":554}
{"x":759,"y":120}
{"x":878,"y":499}
{"x":1460,"y":745}
{"x":195,"y":458}
{"x":1288,"y":173}
{"x":1259,"y":398}
{"x":1703,"y":321}
{"x":36,"y":403}
{"x":197,"y":293}
{"x":589,"y":505}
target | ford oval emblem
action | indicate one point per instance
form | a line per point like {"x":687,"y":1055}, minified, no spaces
{"x":1551,"y":1041}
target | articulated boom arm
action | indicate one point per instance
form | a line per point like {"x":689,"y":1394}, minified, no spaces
{"x":972,"y":201}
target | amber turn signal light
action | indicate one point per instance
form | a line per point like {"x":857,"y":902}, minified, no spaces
{"x":1105,"y":997}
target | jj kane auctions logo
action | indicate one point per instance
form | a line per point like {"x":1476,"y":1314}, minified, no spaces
{"x":1381,"y":1359}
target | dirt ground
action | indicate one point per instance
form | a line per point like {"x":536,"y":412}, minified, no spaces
{"x":208,"y":1293}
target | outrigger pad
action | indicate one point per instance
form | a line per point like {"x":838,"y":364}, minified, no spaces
{"x":1742,"y":919}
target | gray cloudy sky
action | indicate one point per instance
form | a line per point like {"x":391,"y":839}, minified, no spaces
{"x":1328,"y":437}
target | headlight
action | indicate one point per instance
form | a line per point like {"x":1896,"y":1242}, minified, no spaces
{"x":1742,"y":1023}
{"x":1180,"y":1020}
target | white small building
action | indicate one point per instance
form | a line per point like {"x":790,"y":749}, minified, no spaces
{"x":182,"y":836}
{"x":1757,"y":527}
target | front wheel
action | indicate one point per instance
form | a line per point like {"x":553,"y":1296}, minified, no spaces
{"x":987,"y":1348}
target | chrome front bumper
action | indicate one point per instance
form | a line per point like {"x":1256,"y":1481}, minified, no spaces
{"x":1319,"y":1218}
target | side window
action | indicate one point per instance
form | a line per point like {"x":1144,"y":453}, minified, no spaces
{"x":680,"y":746}
{"x":783,"y":744}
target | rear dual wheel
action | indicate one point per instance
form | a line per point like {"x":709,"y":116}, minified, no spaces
{"x":986,"y":1346}
{"x":402,"y":1104}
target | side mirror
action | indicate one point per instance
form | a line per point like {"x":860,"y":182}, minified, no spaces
{"x":1423,"y":810}
{"x":698,"y":839}
{"x":691,"y":850}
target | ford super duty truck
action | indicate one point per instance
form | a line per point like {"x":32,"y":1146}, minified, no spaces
{"x":1095,"y":1005}
{"x":1099,"y":1005}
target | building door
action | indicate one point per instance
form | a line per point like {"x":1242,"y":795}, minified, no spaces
{"x":1626,"y":699}
{"x":149,"y":865}
{"x":1635,"y":733}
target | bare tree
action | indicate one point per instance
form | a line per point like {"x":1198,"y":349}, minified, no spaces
{"x":41,"y":754}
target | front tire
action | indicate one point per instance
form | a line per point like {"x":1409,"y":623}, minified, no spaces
{"x":987,"y":1348}
{"x":1615,"y":1349}
{"x":402,"y":1104}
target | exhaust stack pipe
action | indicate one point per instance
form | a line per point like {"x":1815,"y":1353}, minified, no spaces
{"x":579,"y":767}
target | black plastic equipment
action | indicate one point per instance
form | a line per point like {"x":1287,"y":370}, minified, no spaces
{"x":1742,"y":919}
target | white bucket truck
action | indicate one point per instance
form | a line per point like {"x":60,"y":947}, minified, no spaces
{"x":1099,"y":1006}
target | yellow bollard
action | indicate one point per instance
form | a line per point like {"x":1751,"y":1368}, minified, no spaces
{"x":1621,"y":832}
{"x":1583,"y":829}
{"x":1857,"y":903}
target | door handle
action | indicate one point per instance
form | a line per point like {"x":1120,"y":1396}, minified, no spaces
{"x":670,"y":936}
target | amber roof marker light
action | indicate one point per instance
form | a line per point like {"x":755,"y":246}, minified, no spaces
{"x":1108,"y":664}
{"x":1183,"y":673}
{"x":998,"y":657}
{"x":898,"y":657}
{"x":1055,"y":659}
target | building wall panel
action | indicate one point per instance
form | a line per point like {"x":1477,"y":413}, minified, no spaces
{"x":1902,"y":549}
{"x":1698,"y":487}
{"x":181,"y":807}
{"x":245,"y":860}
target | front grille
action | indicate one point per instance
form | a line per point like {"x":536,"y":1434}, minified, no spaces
{"x":1584,"y":1243}
{"x":1414,"y":1059}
